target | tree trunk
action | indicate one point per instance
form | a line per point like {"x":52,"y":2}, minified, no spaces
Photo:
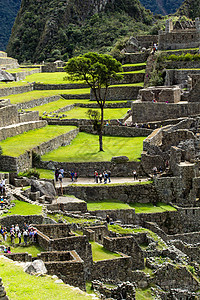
{"x":101,"y":131}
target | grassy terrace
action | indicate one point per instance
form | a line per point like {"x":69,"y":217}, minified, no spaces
{"x":85,"y":148}
{"x":134,"y":65}
{"x":23,"y":209}
{"x":20,"y":285}
{"x":139,"y":207}
{"x":129,"y":85}
{"x":25,"y":97}
{"x":20,"y":70}
{"x":81,"y":113}
{"x":100,"y":253}
{"x":17,"y":145}
{"x":50,"y":78}
{"x":133,"y":72}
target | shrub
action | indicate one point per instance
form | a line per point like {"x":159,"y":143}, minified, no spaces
{"x":36,"y":159}
{"x":156,"y":78}
{"x":30,"y":173}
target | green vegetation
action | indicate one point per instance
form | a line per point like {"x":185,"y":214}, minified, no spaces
{"x":134,"y":65}
{"x":144,"y":294}
{"x":20,"y":70}
{"x":85,"y":148}
{"x":100,"y":253}
{"x":24,"y":209}
{"x":81,"y":113}
{"x":18,"y":144}
{"x":25,"y":97}
{"x":56,"y":217}
{"x":48,"y":174}
{"x":109,"y":204}
{"x":23,"y":286}
{"x":181,"y":57}
{"x":13,"y":84}
{"x":29,"y":173}
{"x":150,"y":208}
{"x":50,"y":78}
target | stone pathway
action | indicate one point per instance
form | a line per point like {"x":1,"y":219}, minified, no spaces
{"x":83,"y":180}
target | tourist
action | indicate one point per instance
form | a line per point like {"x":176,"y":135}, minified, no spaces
{"x":105,"y":177}
{"x":108,"y":219}
{"x":25,"y":236}
{"x":31,"y":235}
{"x":100,"y":177}
{"x":56,"y":174}
{"x":8,"y":250}
{"x":17,"y":229}
{"x":19,"y":235}
{"x":36,"y":234}
{"x":60,"y":177}
{"x":72,"y":175}
{"x":61,"y":171}
{"x":12,"y":236}
{"x":5,"y":234}
{"x":109,"y":175}
{"x":75,"y":176}
{"x":134,"y":175}
{"x":97,"y":177}
{"x":1,"y":202}
{"x":155,"y":171}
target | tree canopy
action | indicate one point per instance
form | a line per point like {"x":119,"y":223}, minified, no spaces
{"x":98,"y":71}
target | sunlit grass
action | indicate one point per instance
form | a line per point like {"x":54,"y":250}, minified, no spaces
{"x":17,"y":145}
{"x":24,"y":209}
{"x":100,"y":253}
{"x":85,"y":147}
{"x":50,"y":78}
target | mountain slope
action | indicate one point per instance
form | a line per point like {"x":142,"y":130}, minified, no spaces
{"x":46,"y":29}
{"x":190,"y":8}
{"x":163,"y":7}
{"x":8,"y":12}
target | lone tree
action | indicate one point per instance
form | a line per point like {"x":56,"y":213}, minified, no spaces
{"x":97,"y":70}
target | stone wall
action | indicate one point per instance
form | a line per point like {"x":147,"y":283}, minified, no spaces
{"x":147,"y":41}
{"x":18,"y":219}
{"x":125,"y":193}
{"x":126,"y":216}
{"x":67,"y":86}
{"x":124,"y":131}
{"x":130,"y":78}
{"x":182,"y":65}
{"x":174,"y":77}
{"x":117,"y":270}
{"x":24,"y":257}
{"x":37,"y":102}
{"x":128,"y":246}
{"x":161,"y":94}
{"x":22,"y":75}
{"x":15,"y":90}
{"x":120,"y":93}
{"x":8,"y":115}
{"x":184,"y":39}
{"x":20,"y":128}
{"x":87,"y":169}
{"x":54,"y":231}
{"x":29,"y":116}
{"x":96,"y":233}
{"x":135,"y":58}
{"x":149,"y":112}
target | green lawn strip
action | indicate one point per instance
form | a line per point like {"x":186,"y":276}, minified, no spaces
{"x":100,"y":253}
{"x":128,"y":85}
{"x":176,"y":50}
{"x":150,"y":208}
{"x":20,"y":70}
{"x":17,"y":145}
{"x":24,"y":209}
{"x":20,"y":285}
{"x":33,"y":249}
{"x":85,"y":148}
{"x":70,"y":220}
{"x":50,"y":78}
{"x":25,"y":97}
{"x":48,"y":174}
{"x":109,"y":204}
{"x":144,"y":294}
{"x":55,"y":105}
{"x":13,"y":84}
{"x":132,"y":72}
{"x":109,"y":113}
{"x":134,"y":65}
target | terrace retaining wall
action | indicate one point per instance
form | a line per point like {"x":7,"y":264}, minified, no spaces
{"x":22,"y":75}
{"x":37,"y":102}
{"x":40,"y":86}
{"x":120,"y":93}
{"x":15,"y":90}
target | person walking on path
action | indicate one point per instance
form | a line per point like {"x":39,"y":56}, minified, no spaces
{"x":109,"y":175}
{"x":134,"y":175}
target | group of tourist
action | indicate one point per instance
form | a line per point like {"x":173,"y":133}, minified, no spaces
{"x":28,"y":233}
{"x":104,"y":176}
{"x":59,"y":175}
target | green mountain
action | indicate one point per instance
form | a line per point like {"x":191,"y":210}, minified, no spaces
{"x":59,"y":28}
{"x":8,"y":12}
{"x":163,"y":7}
{"x":190,"y":8}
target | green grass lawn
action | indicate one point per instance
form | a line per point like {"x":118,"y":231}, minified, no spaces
{"x":81,"y":113}
{"x":134,"y":65}
{"x":55,"y":105}
{"x":33,"y":249}
{"x":13,"y":84}
{"x":150,"y":208}
{"x":85,"y":147}
{"x":20,"y":285}
{"x":100,"y":253}
{"x":144,"y":294}
{"x":133,"y":72}
{"x":48,"y":174}
{"x":129,"y":85}
{"x":17,"y":145}
{"x":109,"y":204}
{"x":139,"y":207}
{"x":25,"y":97}
{"x":50,"y":78}
{"x":24,"y":209}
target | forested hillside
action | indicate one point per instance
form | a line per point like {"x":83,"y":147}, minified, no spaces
{"x":45,"y":29}
{"x":163,"y":7}
{"x":8,"y":12}
{"x":190,"y":8}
